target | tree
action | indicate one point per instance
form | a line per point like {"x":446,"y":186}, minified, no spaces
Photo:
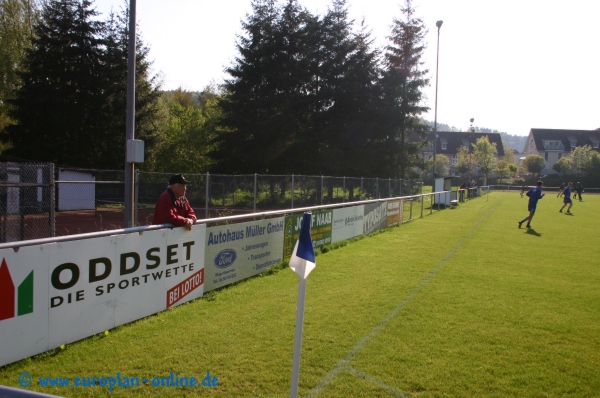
{"x":257,"y":101}
{"x":403,"y":81}
{"x":464,"y":160}
{"x":300,"y":94}
{"x":186,"y":141}
{"x":534,"y":164}
{"x":17,"y":19}
{"x":115,"y":70}
{"x":59,"y":104}
{"x":509,"y":153}
{"x":503,"y":168}
{"x":582,"y":158}
{"x":441,"y":165}
{"x":347,"y":76}
{"x":485,"y":155}
{"x":72,"y":100}
{"x":563,"y":166}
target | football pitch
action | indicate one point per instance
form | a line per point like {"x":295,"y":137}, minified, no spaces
{"x":459,"y":303}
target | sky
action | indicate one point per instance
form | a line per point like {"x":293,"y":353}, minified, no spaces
{"x":511,"y":65}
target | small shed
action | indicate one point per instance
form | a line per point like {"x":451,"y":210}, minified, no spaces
{"x":443,"y":191}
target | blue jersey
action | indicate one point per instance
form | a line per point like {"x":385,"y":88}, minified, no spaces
{"x":567,"y":195}
{"x":534,"y":194}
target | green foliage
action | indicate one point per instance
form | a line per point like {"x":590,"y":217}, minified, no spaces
{"x":307,"y":94}
{"x":583,"y":159}
{"x":72,"y":99}
{"x":503,"y":168}
{"x":17,"y":18}
{"x":564,"y":165}
{"x":485,"y":155}
{"x":509,"y":153}
{"x":186,"y":140}
{"x":441,"y":165}
{"x":582,"y":164}
{"x":534,"y":163}
{"x":403,"y":82}
{"x":464,"y":160}
{"x":115,"y":70}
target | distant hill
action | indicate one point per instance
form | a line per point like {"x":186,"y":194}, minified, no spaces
{"x":516,"y":142}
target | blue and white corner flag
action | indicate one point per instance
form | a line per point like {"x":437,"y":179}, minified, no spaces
{"x":302,"y":261}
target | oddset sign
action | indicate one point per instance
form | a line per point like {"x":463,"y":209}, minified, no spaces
{"x":66,"y":291}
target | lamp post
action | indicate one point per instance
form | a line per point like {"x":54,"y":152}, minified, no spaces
{"x":130,"y":119}
{"x":470,"y":149}
{"x":439,"y":25}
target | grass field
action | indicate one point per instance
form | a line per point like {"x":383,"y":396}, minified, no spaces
{"x":460,"y":303}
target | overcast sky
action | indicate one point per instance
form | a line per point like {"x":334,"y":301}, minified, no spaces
{"x":512,"y":65}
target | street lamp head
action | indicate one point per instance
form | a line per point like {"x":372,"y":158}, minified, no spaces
{"x":439,"y":24}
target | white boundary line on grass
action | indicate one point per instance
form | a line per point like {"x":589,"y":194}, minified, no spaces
{"x":344,"y":364}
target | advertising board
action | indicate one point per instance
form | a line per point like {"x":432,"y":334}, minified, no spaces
{"x":238,"y":251}
{"x":57,"y":293}
{"x":320,"y":232}
{"x":348,"y":222}
{"x":375,"y":217}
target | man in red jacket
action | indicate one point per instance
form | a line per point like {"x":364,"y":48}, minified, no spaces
{"x":172,"y":206}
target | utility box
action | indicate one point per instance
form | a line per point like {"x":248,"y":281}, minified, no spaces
{"x":135,"y":151}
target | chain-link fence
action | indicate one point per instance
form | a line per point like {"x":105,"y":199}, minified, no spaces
{"x":270,"y":192}
{"x":26,"y":201}
{"x":41,"y":200}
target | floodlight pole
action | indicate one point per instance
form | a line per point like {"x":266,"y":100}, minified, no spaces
{"x":437,"y":62}
{"x":470,"y":149}
{"x":130,"y":121}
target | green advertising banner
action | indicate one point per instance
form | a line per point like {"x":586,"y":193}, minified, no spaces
{"x":320,"y":231}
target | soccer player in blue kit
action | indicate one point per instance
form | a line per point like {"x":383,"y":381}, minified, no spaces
{"x":567,"y":200}
{"x":534,"y":194}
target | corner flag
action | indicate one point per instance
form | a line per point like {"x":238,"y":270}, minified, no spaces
{"x":303,"y":256}
{"x":302,"y":262}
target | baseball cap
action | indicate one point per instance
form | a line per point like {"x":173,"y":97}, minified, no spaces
{"x":178,"y":179}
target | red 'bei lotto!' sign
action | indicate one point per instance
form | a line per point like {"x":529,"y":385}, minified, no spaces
{"x":184,"y":288}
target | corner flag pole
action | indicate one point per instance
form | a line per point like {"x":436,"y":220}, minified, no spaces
{"x":302,"y":262}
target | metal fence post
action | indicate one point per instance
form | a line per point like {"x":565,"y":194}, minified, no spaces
{"x":361,"y":188}
{"x":321,"y":190}
{"x":292,"y":191}
{"x":255,"y":187}
{"x":52,"y":201}
{"x":21,"y":210}
{"x":136,"y":192}
{"x":206,"y":196}
{"x":344,"y":191}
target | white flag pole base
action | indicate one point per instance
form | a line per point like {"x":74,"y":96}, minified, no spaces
{"x":298,"y":337}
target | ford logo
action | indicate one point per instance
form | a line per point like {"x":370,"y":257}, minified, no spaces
{"x":225,"y":258}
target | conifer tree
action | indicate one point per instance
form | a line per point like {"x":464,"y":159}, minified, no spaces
{"x":403,"y":82}
{"x":250,"y":99}
{"x":71,"y":106}
{"x":58,"y":107}
{"x":348,"y":94}
{"x":116,"y":39}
